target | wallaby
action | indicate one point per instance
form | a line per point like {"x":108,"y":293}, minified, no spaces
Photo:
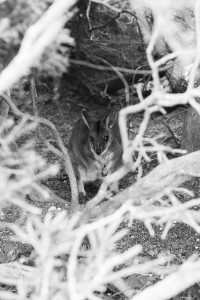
{"x":95,"y":147}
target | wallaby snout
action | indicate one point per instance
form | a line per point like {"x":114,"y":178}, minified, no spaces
{"x":98,"y":151}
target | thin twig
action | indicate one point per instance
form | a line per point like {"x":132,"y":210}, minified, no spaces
{"x":121,"y":69}
{"x":63,"y":151}
{"x":105,"y":24}
{"x":34,"y":98}
{"x":177,"y":142}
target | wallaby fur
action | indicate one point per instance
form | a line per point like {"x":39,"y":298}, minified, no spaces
{"x":95,"y":147}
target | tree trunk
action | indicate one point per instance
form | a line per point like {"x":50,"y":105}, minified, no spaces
{"x":191,"y":131}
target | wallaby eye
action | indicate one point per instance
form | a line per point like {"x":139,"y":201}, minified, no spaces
{"x":106,"y":137}
{"x":91,"y":138}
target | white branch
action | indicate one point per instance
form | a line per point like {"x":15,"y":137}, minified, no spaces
{"x":172,"y":285}
{"x":37,"y":38}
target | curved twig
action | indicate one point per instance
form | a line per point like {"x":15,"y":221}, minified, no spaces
{"x":62,"y":153}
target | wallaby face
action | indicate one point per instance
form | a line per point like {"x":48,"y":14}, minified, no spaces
{"x":99,"y":132}
{"x":95,"y":147}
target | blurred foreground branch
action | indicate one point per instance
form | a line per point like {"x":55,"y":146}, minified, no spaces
{"x":37,"y":38}
{"x":62,"y":153}
{"x":78,"y":255}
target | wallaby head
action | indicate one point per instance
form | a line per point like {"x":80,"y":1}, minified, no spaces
{"x":100,"y":135}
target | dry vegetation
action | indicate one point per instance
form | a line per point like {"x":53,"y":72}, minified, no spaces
{"x":76,"y":252}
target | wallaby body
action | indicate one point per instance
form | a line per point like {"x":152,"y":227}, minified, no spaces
{"x":95,"y":147}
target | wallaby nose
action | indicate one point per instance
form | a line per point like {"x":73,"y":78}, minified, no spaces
{"x":98,"y":151}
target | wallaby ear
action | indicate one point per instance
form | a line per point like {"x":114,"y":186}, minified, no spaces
{"x":111,"y":119}
{"x":85,"y":117}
